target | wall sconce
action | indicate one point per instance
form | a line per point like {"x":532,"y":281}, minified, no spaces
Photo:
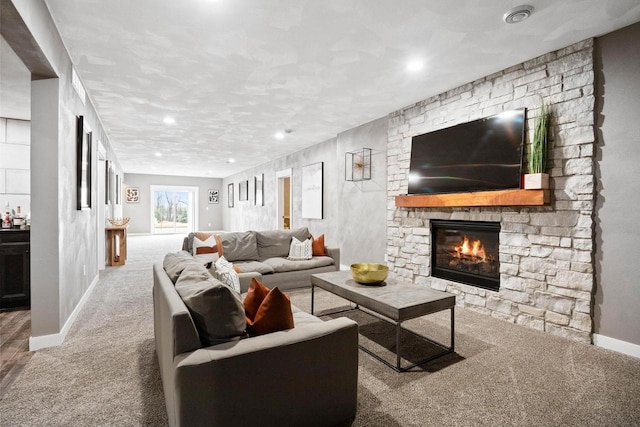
{"x":357,"y":165}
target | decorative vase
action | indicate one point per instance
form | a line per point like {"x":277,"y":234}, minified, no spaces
{"x":536,"y":181}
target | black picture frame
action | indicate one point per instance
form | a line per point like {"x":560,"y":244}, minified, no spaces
{"x":83,"y":166}
{"x":243,"y":190}
{"x":258,"y":185}
{"x":214,"y":196}
{"x":230,"y":195}
{"x":117,"y":189}
{"x":107,"y":198}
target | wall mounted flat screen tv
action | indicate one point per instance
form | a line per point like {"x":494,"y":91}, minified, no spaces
{"x":480,"y":155}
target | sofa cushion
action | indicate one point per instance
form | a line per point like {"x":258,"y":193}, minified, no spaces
{"x":280,"y":265}
{"x":174,"y":263}
{"x":300,"y":250}
{"x":239,"y":246}
{"x":275,"y":243}
{"x":216,"y":309}
{"x":273,"y":315}
{"x":253,"y":267}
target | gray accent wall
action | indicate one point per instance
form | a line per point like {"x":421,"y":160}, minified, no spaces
{"x":209,"y":214}
{"x":617,"y":255}
{"x":63,"y":240}
{"x":354,"y":214}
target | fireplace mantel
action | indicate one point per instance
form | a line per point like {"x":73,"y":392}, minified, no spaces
{"x":481,"y":198}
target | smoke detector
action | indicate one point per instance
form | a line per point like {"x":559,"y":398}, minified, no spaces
{"x":517,"y":14}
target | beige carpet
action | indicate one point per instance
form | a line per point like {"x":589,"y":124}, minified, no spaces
{"x":106,"y":371}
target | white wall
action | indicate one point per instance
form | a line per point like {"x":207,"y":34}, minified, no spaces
{"x":209,"y":214}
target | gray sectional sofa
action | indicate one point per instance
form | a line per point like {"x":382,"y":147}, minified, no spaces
{"x":305,"y":376}
{"x":263,"y":255}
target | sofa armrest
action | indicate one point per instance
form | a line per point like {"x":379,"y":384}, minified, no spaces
{"x":303,"y":376}
{"x":335,"y":254}
{"x":245,"y":280}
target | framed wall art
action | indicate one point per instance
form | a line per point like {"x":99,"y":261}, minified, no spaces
{"x":243,"y":191}
{"x":214,"y":196}
{"x":258,"y":186}
{"x":132,"y":195}
{"x":230,"y":195}
{"x":312,"y":176}
{"x":83,"y":165}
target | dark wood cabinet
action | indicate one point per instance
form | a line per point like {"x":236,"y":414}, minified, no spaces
{"x":15,"y":274}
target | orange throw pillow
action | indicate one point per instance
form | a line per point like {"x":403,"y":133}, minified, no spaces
{"x":317,"y":245}
{"x":273,"y":315}
{"x":255,"y":295}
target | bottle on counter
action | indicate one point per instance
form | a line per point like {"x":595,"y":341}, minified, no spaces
{"x":7,"y":217}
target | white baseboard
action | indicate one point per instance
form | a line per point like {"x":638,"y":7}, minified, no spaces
{"x":54,"y":340}
{"x":614,"y":344}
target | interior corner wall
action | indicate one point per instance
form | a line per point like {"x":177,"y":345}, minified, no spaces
{"x":354,"y":213}
{"x":44,"y":251}
{"x":209,"y":214}
{"x":617,"y":269}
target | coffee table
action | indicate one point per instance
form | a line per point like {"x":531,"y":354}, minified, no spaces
{"x":393,"y":301}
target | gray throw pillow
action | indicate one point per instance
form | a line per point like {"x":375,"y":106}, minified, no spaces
{"x":216,"y":309}
{"x":240,"y":246}
{"x":174,"y":263}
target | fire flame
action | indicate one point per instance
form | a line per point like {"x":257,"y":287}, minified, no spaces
{"x":472,"y":249}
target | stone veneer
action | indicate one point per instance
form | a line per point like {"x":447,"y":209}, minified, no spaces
{"x":546,"y":253}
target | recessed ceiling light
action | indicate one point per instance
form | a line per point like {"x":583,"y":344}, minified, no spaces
{"x":158,"y":154}
{"x":169,"y":120}
{"x":415,"y":65}
{"x":279,"y":135}
{"x":517,"y":14}
{"x":231,"y":161}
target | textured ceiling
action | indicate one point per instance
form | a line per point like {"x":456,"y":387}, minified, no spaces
{"x":233,"y":72}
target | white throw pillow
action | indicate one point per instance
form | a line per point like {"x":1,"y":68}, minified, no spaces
{"x":197,"y":243}
{"x":229,"y":277}
{"x":300,"y":250}
{"x":223,"y":264}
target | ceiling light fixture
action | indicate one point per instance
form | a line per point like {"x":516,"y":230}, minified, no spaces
{"x":415,"y":65}
{"x":231,"y":161}
{"x":279,"y":135}
{"x":517,"y":14}
{"x":169,"y":120}
{"x":158,"y":154}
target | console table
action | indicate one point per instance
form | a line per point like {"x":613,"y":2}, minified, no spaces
{"x":117,"y":245}
{"x":393,"y":301}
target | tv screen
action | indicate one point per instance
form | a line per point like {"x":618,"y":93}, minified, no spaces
{"x":481,"y":155}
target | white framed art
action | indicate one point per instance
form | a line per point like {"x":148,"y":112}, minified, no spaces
{"x":312,"y":183}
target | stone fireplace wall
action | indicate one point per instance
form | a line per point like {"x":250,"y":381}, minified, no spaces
{"x":546,"y":253}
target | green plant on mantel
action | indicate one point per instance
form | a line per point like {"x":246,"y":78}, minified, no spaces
{"x":539,"y":145}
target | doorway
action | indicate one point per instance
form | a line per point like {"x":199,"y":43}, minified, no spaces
{"x":173,"y":209}
{"x":284,"y":199}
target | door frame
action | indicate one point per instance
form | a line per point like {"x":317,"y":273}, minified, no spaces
{"x":280,"y":176}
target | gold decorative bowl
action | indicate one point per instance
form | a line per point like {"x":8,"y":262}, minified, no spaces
{"x":119,"y":222}
{"x":369,"y":273}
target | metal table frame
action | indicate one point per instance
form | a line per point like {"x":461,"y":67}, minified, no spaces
{"x":398,"y":325}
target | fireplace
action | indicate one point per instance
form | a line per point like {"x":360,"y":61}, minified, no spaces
{"x":466,"y":252}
